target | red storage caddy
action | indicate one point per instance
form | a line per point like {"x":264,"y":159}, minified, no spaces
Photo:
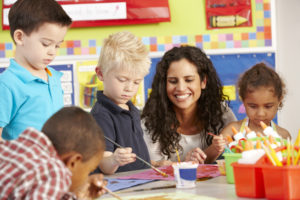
{"x":262,"y":179}
{"x":249,"y":180}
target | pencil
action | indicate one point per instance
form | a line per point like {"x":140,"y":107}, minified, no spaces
{"x":48,"y":71}
{"x":139,"y":158}
{"x":288,"y":150}
{"x":269,"y":155}
{"x":112,"y":193}
{"x":178,"y":158}
{"x":211,"y":134}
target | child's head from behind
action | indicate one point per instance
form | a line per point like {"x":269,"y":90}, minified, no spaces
{"x":262,"y":91}
{"x":37,"y":27}
{"x":78,"y":141}
{"x":123,"y":63}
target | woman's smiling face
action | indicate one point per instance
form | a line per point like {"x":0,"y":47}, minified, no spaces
{"x":184,"y":84}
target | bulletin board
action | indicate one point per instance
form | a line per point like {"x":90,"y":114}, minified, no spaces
{"x":88,"y":84}
{"x":86,"y":13}
{"x":67,"y":82}
{"x":229,"y":67}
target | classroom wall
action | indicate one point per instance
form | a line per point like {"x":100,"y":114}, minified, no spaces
{"x":188,"y":26}
{"x":186,"y":19}
{"x":288,"y":62}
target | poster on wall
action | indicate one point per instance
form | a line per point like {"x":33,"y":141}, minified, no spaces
{"x":89,"y":84}
{"x":85,"y":13}
{"x":228,"y":13}
{"x":67,"y":82}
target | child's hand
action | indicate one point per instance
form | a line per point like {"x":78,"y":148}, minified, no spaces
{"x":123,"y":156}
{"x":196,"y":155}
{"x":219,"y":143}
{"x":92,"y":188}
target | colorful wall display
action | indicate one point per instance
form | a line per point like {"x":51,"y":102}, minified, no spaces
{"x":67,"y":82}
{"x":259,"y":36}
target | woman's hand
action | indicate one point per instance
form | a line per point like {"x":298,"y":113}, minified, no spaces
{"x":196,"y":155}
{"x":161,"y":163}
{"x":218,"y":143}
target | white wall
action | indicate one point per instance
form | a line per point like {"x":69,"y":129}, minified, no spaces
{"x":288,"y":61}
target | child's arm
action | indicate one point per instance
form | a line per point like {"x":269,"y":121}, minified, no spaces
{"x":227,"y":131}
{"x":112,"y":161}
{"x":283,"y":132}
{"x":219,"y":142}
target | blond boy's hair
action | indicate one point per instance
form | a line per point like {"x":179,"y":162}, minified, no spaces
{"x":123,"y":50}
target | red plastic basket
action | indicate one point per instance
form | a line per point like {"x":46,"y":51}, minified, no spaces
{"x":265,"y":180}
{"x":249,"y":180}
{"x":281,"y":182}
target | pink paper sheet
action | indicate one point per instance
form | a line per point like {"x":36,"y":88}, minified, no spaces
{"x":202,"y":171}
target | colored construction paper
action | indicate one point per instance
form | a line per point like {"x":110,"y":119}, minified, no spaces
{"x":202,"y":171}
{"x":163,"y":195}
{"x":115,"y":184}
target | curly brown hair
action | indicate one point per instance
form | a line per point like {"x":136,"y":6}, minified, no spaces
{"x":260,"y":75}
{"x":158,"y":113}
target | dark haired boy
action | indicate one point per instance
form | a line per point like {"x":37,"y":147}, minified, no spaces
{"x":30,"y":91}
{"x":54,"y":163}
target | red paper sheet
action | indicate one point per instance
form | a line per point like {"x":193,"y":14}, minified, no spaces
{"x":202,"y":171}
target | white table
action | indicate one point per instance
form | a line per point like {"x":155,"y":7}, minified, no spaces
{"x":214,"y":187}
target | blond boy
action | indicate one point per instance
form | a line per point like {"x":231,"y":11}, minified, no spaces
{"x":122,"y":65}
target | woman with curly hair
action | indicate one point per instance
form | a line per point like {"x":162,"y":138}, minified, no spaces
{"x":186,"y":105}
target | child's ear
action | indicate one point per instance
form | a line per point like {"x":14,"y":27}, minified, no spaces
{"x":203,"y":83}
{"x":280,"y":105}
{"x":71,"y":159}
{"x":99,"y":73}
{"x":19,"y":37}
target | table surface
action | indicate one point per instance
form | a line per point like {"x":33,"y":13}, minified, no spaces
{"x":214,"y":187}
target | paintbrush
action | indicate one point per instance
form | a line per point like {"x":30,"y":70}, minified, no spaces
{"x":178,"y":157}
{"x":112,"y":193}
{"x":139,"y":158}
{"x":147,"y":189}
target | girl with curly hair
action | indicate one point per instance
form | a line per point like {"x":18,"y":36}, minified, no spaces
{"x":262,"y":91}
{"x":186,"y":105}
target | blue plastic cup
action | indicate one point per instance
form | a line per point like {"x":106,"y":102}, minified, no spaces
{"x":185,"y":174}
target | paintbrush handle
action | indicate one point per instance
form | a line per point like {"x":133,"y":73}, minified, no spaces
{"x":123,"y":147}
{"x":113,"y":142}
{"x":147,"y":189}
{"x":139,"y":158}
{"x":112,"y":193}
